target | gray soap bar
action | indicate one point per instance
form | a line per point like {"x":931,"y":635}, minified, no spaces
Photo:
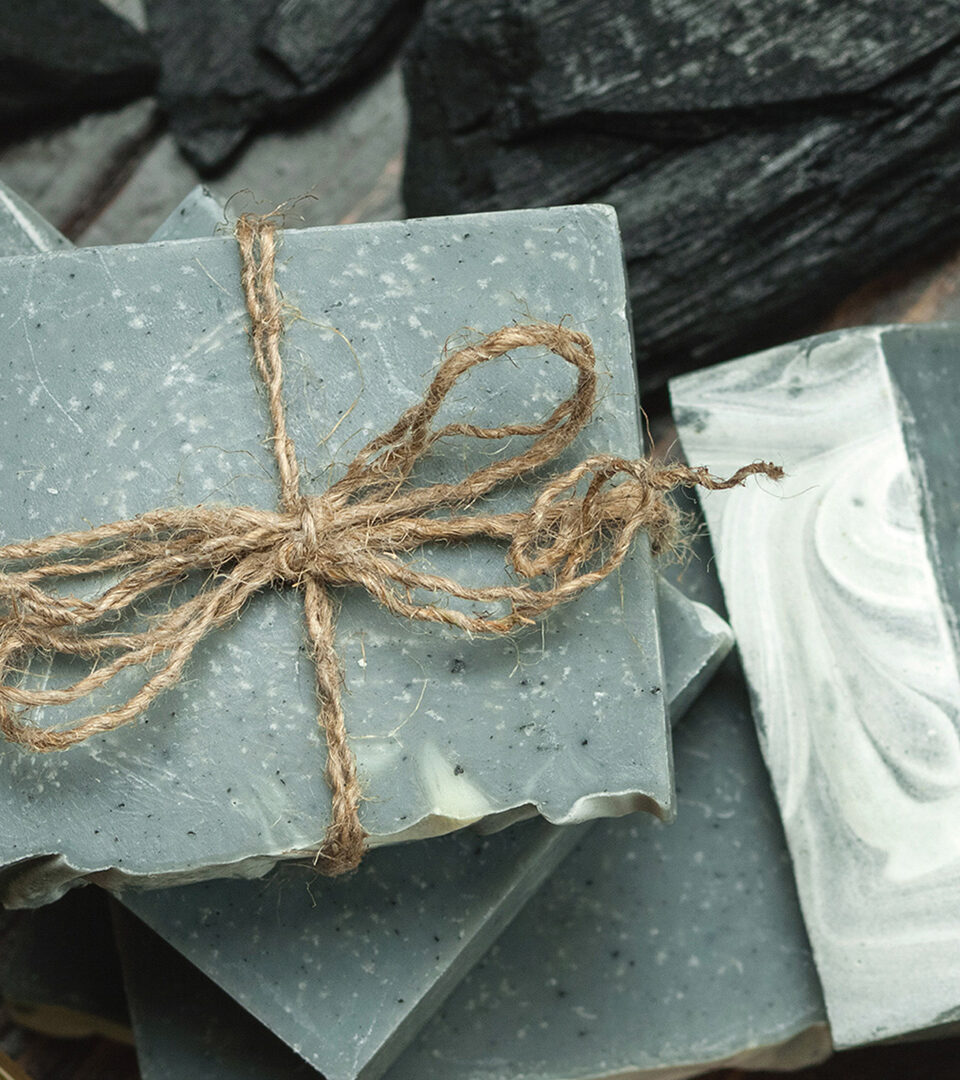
{"x":649,"y":952}
{"x":58,"y":965}
{"x":831,"y":579}
{"x":129,"y":387}
{"x":922,"y":361}
{"x":401,"y":934}
{"x":199,"y":214}
{"x":695,"y":642}
{"x":186,"y":1026}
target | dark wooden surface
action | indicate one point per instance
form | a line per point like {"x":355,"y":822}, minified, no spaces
{"x":113,"y":177}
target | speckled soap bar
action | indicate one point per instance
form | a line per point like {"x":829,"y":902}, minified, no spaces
{"x":469,"y":916}
{"x":651,"y":952}
{"x":401,"y":933}
{"x":841,"y":585}
{"x":128,"y":387}
{"x":52,"y":977}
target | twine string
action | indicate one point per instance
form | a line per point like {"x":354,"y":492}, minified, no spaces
{"x":353,"y":534}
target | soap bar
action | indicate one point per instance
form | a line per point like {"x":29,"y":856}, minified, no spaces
{"x":128,"y":387}
{"x":59,"y":970}
{"x":651,"y":952}
{"x":200,"y":213}
{"x":186,"y":1026}
{"x":841,"y":585}
{"x":400,"y":935}
{"x":695,"y":642}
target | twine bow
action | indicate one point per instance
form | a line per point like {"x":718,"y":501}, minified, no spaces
{"x":352,"y":534}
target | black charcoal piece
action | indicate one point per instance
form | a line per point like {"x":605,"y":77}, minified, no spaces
{"x":763,"y":158}
{"x":67,"y":55}
{"x":59,"y":969}
{"x":228,"y":64}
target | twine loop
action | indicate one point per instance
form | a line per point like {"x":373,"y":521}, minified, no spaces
{"x":354,"y":534}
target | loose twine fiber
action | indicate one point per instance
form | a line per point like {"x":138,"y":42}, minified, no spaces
{"x":352,"y":534}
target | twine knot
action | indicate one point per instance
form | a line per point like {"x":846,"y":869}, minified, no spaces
{"x":307,"y":549}
{"x":352,"y":535}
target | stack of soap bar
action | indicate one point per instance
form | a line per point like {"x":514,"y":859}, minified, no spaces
{"x":409,"y":924}
{"x":651,"y":951}
{"x":470,"y":911}
{"x":842,"y":588}
{"x":59,"y":971}
{"x":112,"y":406}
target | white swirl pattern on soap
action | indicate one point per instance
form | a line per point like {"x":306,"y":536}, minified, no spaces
{"x":845,"y":642}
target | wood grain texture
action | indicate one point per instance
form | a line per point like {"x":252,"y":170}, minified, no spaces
{"x":761,"y":166}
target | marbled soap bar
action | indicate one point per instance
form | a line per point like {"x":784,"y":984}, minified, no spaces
{"x":410,"y":924}
{"x":128,"y":387}
{"x":831,"y":580}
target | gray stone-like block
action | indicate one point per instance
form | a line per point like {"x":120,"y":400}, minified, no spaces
{"x":113,"y":406}
{"x":832,"y":585}
{"x":399,"y":939}
{"x":651,"y":952}
{"x":59,"y":969}
{"x":186,"y":1026}
{"x":347,"y":974}
{"x":200,"y":213}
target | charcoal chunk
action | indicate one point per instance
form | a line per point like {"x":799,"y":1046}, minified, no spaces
{"x":764,"y":157}
{"x":64,"y":56}
{"x":228,"y":64}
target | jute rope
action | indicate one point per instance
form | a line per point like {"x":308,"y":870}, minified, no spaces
{"x":352,"y":534}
